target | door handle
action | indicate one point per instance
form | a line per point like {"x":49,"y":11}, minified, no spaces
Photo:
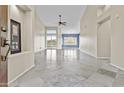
{"x":4,"y":58}
{"x":7,"y":52}
{"x":3,"y":44}
{"x":4,"y":29}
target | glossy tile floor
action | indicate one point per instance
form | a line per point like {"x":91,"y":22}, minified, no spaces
{"x":70,"y":68}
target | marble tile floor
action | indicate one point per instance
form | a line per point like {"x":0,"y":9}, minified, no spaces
{"x":70,"y":68}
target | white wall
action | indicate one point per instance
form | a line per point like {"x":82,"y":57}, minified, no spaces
{"x":88,"y":31}
{"x":114,"y":27}
{"x":117,"y":36}
{"x":18,"y":64}
{"x":39,"y":40}
{"x":95,"y":31}
{"x":116,"y":33}
{"x":59,"y":38}
{"x":18,"y":15}
{"x":21,"y":62}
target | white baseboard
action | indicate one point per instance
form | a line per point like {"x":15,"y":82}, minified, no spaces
{"x":117,"y":66}
{"x":87,"y":53}
{"x":9,"y":83}
{"x":93,"y":55}
{"x":39,"y":50}
{"x":103,"y":57}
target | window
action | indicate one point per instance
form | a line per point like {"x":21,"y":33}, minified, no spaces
{"x":70,"y":40}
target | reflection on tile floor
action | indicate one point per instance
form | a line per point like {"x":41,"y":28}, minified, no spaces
{"x":70,"y":68}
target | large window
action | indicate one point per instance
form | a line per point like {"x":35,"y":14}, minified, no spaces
{"x":70,"y":40}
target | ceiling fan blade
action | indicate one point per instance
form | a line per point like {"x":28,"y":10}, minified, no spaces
{"x":64,"y":23}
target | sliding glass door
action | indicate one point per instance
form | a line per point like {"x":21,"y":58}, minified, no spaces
{"x":51,"y":38}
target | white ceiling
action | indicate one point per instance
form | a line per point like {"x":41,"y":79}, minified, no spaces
{"x":70,"y":13}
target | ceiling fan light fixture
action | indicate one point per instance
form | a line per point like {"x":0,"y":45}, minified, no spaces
{"x":60,"y":22}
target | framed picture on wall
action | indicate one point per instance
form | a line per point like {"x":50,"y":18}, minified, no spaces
{"x":15,"y":36}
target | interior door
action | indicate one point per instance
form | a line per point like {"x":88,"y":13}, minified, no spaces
{"x":104,"y":39}
{"x":3,"y":48}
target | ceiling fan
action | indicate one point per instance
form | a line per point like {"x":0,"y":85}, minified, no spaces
{"x":60,"y":21}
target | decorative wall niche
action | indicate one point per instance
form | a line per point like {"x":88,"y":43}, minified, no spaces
{"x":15,"y":37}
